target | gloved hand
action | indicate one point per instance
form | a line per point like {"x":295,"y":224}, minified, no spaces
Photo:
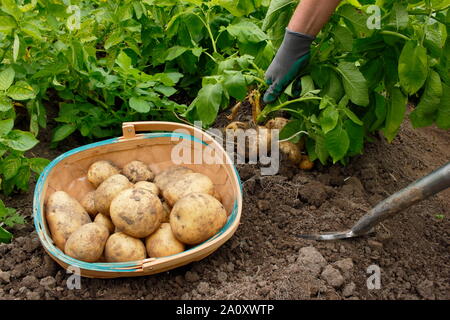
{"x":291,"y":58}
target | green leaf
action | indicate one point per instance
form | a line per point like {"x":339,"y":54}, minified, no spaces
{"x":333,"y":88}
{"x":6,"y":126}
{"x":16,"y":47}
{"x":307,"y":84}
{"x":352,"y":116}
{"x":208,"y":102}
{"x":337,"y":143}
{"x":124,"y":61}
{"x":10,"y":167}
{"x":139,"y":104}
{"x":380,"y":112}
{"x":5,"y":104}
{"x":425,"y":112}
{"x":443,"y":113}
{"x":356,"y":135}
{"x":32,"y":30}
{"x":38,"y":164}
{"x":356,"y":20}
{"x":291,"y":129}
{"x":234,"y":83}
{"x":247,"y":32}
{"x":165,"y":90}
{"x":395,"y":113}
{"x":399,"y":16}
{"x":7,"y":24}
{"x":355,"y":84}
{"x":114,"y":38}
{"x":22,"y":179}
{"x":412,"y":67}
{"x":21,"y":91}
{"x":174,"y":52}
{"x":20,"y":140}
{"x":6,"y":78}
{"x":63,"y":132}
{"x":276,"y":9}
{"x":237,"y":8}
{"x":329,"y":118}
{"x":5,"y":236}
{"x":321,"y":149}
{"x":344,"y":37}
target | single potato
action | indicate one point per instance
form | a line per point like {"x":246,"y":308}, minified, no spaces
{"x":163,"y":243}
{"x":88,"y":203}
{"x":277,"y":123}
{"x":136,"y":212}
{"x":197,"y":217}
{"x":100,"y":171}
{"x":168,"y":176}
{"x":105,"y":221}
{"x":64,"y":215}
{"x":148,"y":186}
{"x":87,"y":242}
{"x":186,"y":184}
{"x":108,"y":190}
{"x":137,"y":171}
{"x":120,"y":247}
{"x":292,"y":151}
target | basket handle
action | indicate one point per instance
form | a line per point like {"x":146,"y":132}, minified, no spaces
{"x":129,"y":129}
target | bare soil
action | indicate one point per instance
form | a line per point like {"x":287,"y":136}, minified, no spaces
{"x":265,"y":259}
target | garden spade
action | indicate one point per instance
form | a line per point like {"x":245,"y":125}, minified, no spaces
{"x":419,"y":190}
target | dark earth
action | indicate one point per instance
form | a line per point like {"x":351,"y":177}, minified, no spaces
{"x":265,"y":259}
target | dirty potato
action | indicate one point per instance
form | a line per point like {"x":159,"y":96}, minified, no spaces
{"x":108,"y":190}
{"x":291,"y":150}
{"x":188,"y":183}
{"x":148,"y":186}
{"x":163,"y":243}
{"x":105,"y":221}
{"x":137,"y":171}
{"x":88,"y":203}
{"x":168,"y":176}
{"x":64,"y":215}
{"x":87,"y":242}
{"x":136,"y":212}
{"x":99,"y":171}
{"x":276,"y":123}
{"x":120,"y":247}
{"x":197,"y":217}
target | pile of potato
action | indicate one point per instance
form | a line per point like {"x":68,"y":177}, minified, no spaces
{"x":135,"y":213}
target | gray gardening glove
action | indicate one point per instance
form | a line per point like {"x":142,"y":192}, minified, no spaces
{"x":291,"y":58}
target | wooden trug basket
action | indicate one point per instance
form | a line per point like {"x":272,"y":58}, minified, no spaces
{"x":68,"y":173}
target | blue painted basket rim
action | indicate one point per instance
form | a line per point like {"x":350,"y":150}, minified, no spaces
{"x":110,"y":266}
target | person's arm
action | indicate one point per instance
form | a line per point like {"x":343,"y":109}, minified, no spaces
{"x":293,"y":55}
{"x":311,"y":15}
